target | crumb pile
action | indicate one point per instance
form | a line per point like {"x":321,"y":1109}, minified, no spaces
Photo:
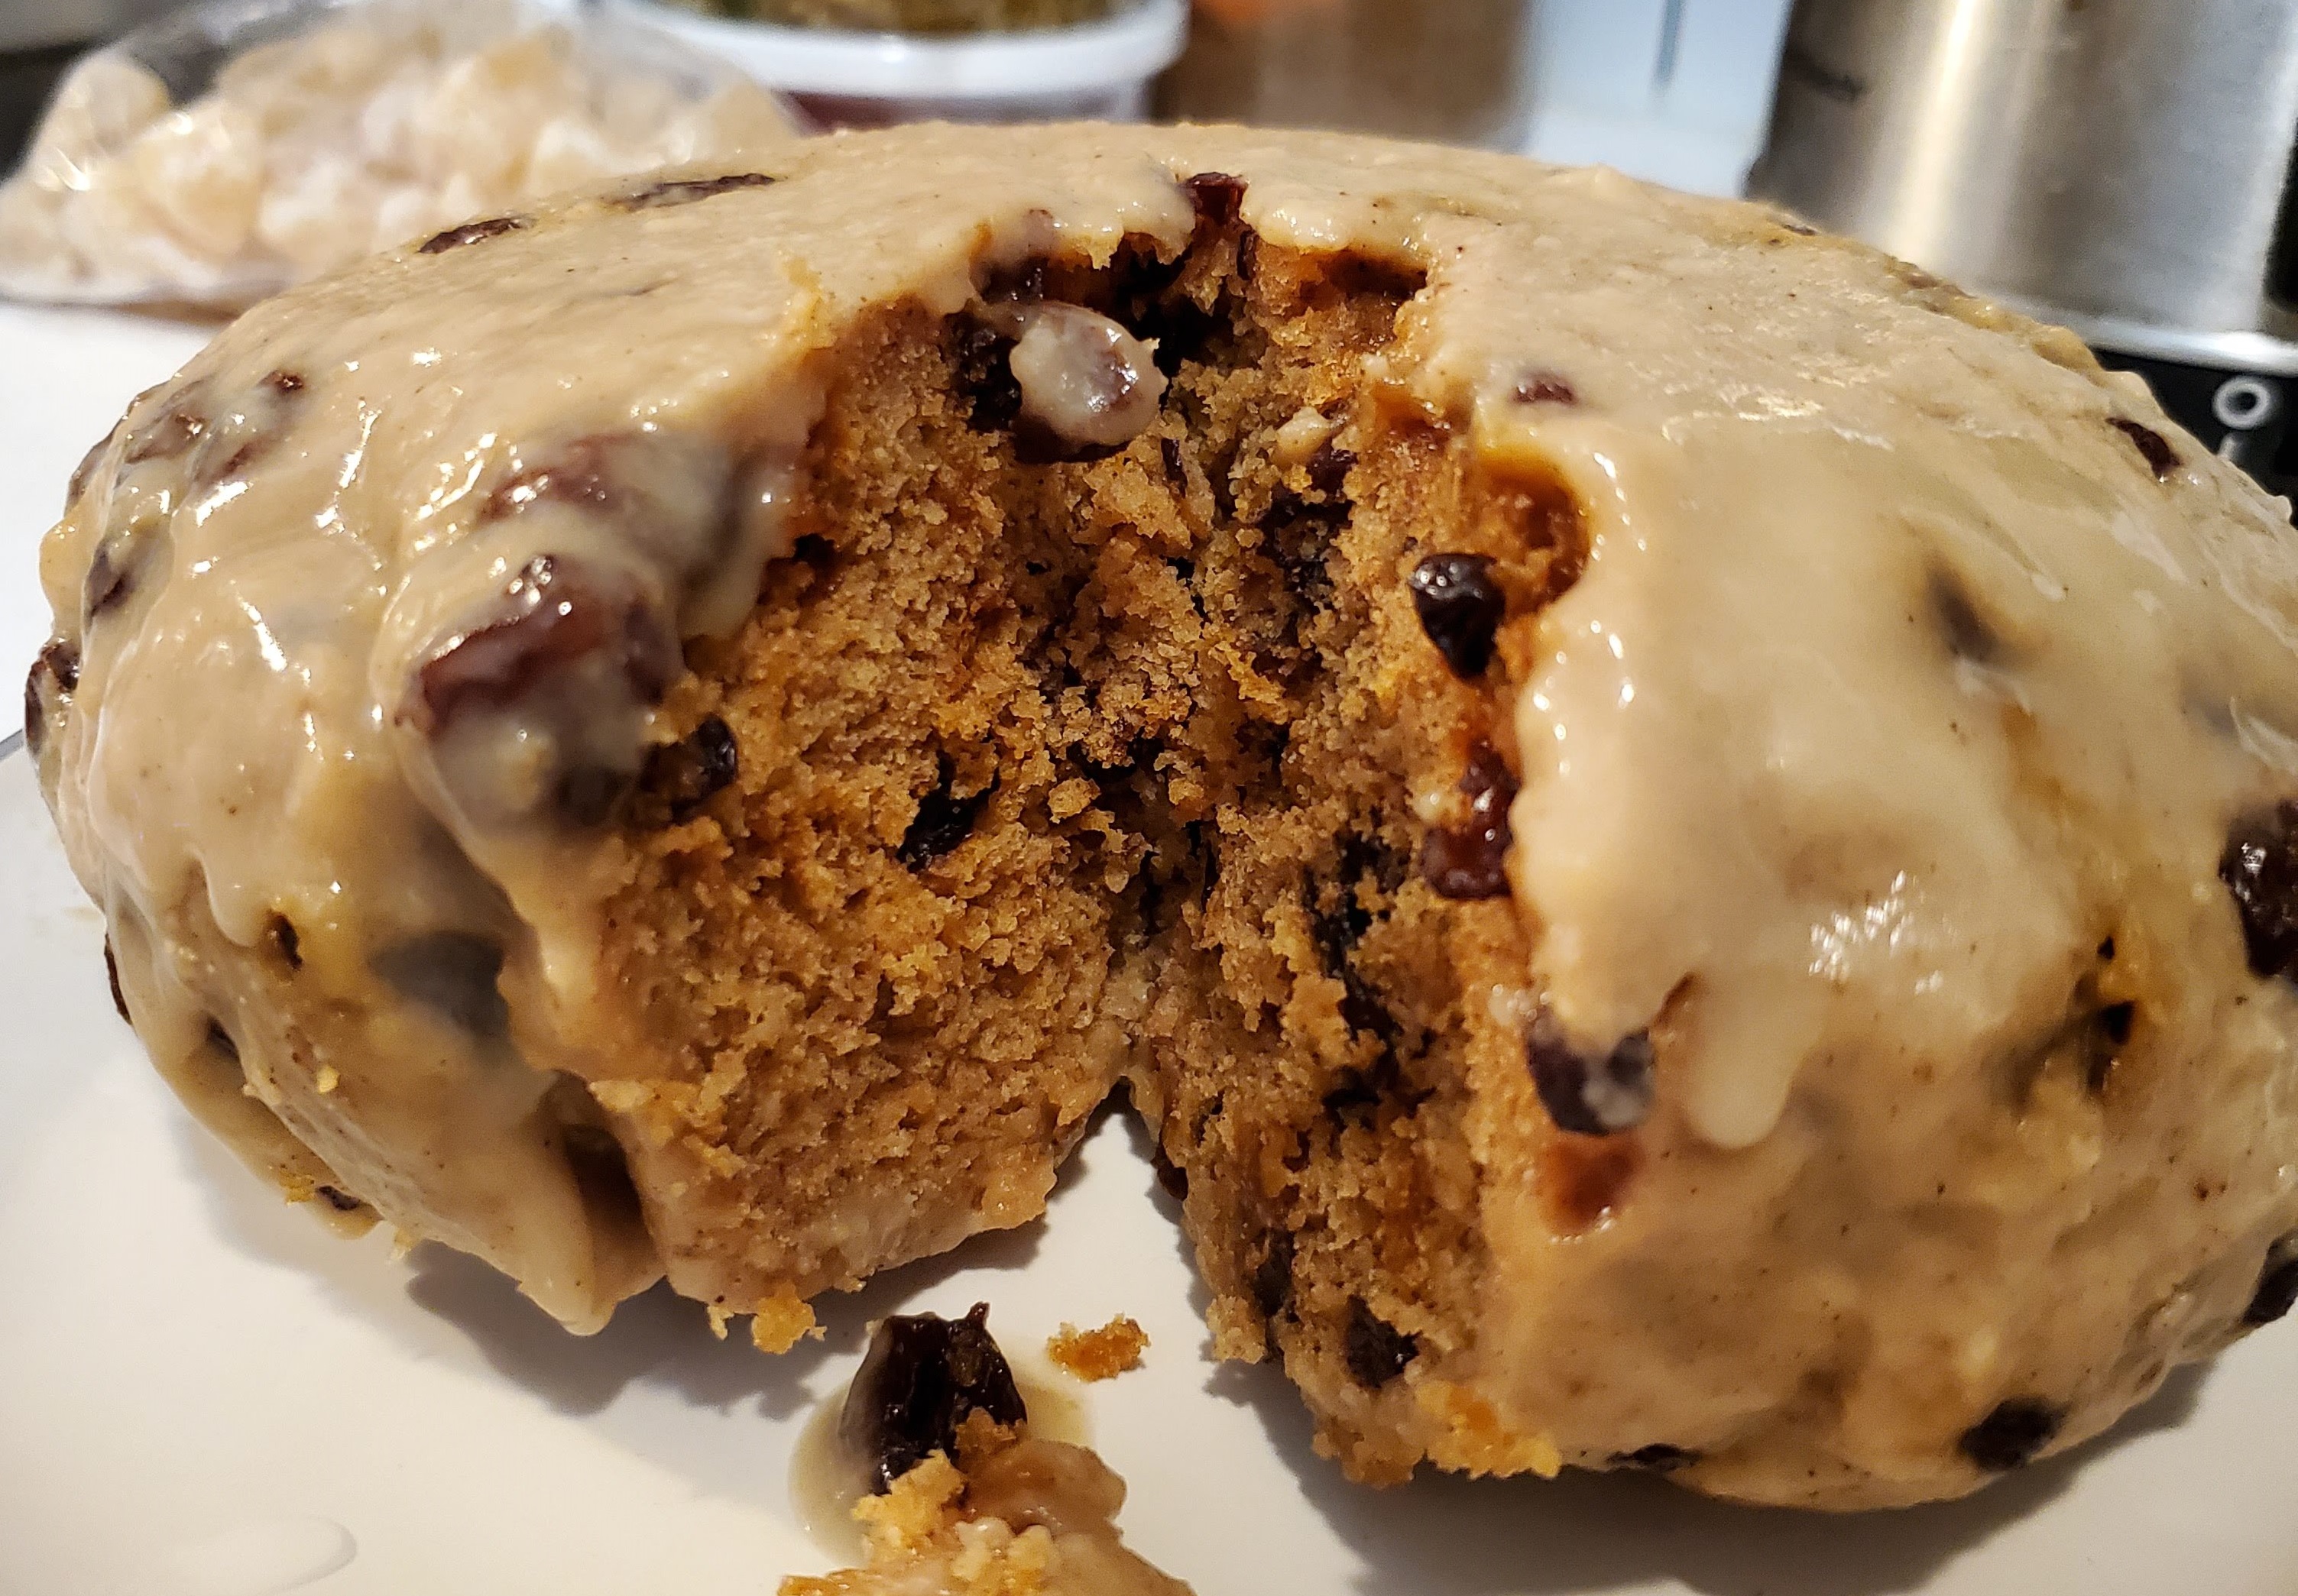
{"x":1101,"y":1354}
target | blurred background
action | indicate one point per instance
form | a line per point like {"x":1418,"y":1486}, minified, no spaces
{"x":2118,"y":166}
{"x":1678,"y":90}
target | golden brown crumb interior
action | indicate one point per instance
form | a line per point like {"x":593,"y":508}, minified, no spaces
{"x":1048,"y":773}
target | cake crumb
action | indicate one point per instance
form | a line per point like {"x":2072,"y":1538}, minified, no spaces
{"x":1099,"y":1355}
{"x":781,"y":1322}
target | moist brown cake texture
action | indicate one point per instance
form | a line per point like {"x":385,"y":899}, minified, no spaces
{"x":1046,"y":772}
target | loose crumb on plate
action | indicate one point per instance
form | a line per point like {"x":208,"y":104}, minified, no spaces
{"x":1099,"y":1355}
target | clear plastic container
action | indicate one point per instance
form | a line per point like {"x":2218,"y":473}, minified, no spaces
{"x":1451,"y":71}
{"x":230,"y":151}
{"x":1096,"y":69}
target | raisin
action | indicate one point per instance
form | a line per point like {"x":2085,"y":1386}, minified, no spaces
{"x":1358,"y":1094}
{"x":111,"y":979}
{"x":1968,"y":635}
{"x":1328,"y":468}
{"x":1545,"y":388}
{"x":944,"y":819}
{"x":584,"y":473}
{"x":85,"y":471}
{"x":1182,"y":330}
{"x":36,"y":710}
{"x":686,"y":191}
{"x":238,"y":435}
{"x":1585,"y":1096}
{"x":58,"y":664}
{"x":2011,"y":1436}
{"x":455,"y":238}
{"x":984,"y":373}
{"x":2277,"y":1284}
{"x":1337,"y":930}
{"x":340,"y":1200}
{"x":1460,"y":609}
{"x":588,"y":795}
{"x":1272,"y":1277}
{"x":2161,"y":459}
{"x":1300,"y":542}
{"x":112,"y":574}
{"x":1659,"y":1458}
{"x":2260,"y":868}
{"x":923,"y":1377}
{"x":62,"y":661}
{"x":815,"y":552}
{"x":1216,"y":197}
{"x":1470,"y":863}
{"x":2111,"y":1028}
{"x":1377,"y":1351}
{"x":558,"y":615}
{"x":167,"y":435}
{"x":452,"y":973}
{"x":687,"y":773}
{"x":284,"y":938}
{"x":1020,"y":283}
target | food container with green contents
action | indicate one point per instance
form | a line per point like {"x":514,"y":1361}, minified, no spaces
{"x":966,"y":61}
{"x":1453,"y":71}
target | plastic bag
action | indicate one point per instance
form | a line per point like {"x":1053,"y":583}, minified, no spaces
{"x":227,"y":152}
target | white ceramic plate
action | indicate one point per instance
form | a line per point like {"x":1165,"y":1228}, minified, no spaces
{"x":202,"y":1393}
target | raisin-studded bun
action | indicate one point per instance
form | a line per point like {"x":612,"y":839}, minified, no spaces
{"x":1689,"y":837}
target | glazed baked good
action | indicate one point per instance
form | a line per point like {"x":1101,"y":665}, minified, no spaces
{"x":1688,"y":837}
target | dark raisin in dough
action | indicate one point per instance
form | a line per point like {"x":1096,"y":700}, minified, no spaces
{"x":455,"y":238}
{"x":1591,"y":1095}
{"x":689,"y":771}
{"x":922,"y":1377}
{"x":1378,"y":1351}
{"x":1470,"y":863}
{"x":2278,"y":1285}
{"x":2011,"y":1436}
{"x":1545,"y":388}
{"x":1272,"y":1277}
{"x":111,"y":979}
{"x":686,"y":191}
{"x":943,"y":821}
{"x":2260,"y":867}
{"x":557,"y":615}
{"x":1968,"y":635}
{"x":1218,"y":198}
{"x":284,"y":937}
{"x":2161,"y":459}
{"x":450,"y":973}
{"x":1460,"y":609}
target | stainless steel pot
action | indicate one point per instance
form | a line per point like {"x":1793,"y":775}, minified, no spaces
{"x":2117,"y":165}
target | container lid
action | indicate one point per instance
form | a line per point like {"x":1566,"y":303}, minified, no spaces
{"x":1140,"y":40}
